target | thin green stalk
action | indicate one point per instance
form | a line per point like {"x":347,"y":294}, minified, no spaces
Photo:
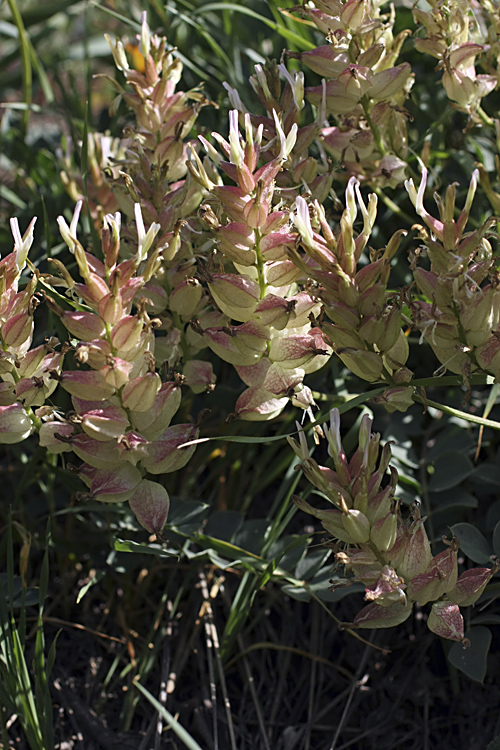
{"x":27,"y":75}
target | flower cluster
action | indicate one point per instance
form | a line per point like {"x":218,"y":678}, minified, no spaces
{"x":366,"y":318}
{"x":147,"y":168}
{"x":456,"y":36}
{"x":25,"y":373}
{"x":364,"y":88}
{"x":120,"y":426}
{"x":390,"y":557}
{"x":274,"y":343}
{"x":461,"y":322}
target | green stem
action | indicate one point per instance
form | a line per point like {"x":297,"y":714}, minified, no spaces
{"x":25,"y":61}
{"x":484,"y":117}
{"x":457,"y":413}
{"x":260,"y":265}
{"x":365,"y":102}
{"x":186,"y":349}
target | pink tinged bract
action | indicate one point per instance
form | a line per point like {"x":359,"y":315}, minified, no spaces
{"x":140,"y":393}
{"x":112,"y":485}
{"x":154,"y":421}
{"x":258,"y":405}
{"x":105,"y":424}
{"x":165,"y":453}
{"x":15,"y":425}
{"x":90,"y":385}
{"x":236,"y":295}
{"x":48,"y":436}
{"x":470,"y":585}
{"x":375,"y":616}
{"x":150,"y":503}
{"x":132,"y":447}
{"x":437,"y":580}
{"x":84,"y":325}
{"x":100,"y":455}
{"x":116,"y":372}
{"x":388,"y":589}
{"x":224,"y":346}
{"x":417,"y":553}
{"x":126,"y":334}
{"x":297,"y":351}
{"x":199,"y":375}
{"x":17,"y":330}
{"x":446,"y":621}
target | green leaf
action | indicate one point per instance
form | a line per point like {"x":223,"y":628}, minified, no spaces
{"x":486,"y":619}
{"x":184,"y":512}
{"x":223,"y":524}
{"x":127,"y":545}
{"x":297,"y":545}
{"x":311,"y":563}
{"x":472,"y":661}
{"x":174,"y":725}
{"x":98,"y":574}
{"x":496,"y":540}
{"x":454,"y":498}
{"x":282,"y":30}
{"x":472,"y":542}
{"x":487,"y":473}
{"x":252,"y":535}
{"x":449,"y":470}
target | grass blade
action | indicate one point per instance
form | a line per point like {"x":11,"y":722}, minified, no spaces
{"x":179,"y":730}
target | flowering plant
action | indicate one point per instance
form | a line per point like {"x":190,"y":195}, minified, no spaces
{"x":234,"y":247}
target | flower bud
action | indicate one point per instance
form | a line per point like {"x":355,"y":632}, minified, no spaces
{"x":7,"y":394}
{"x":282,"y":273}
{"x":15,"y":425}
{"x":366,"y":365}
{"x":236,"y":295}
{"x":102,"y":424}
{"x":331,"y":519}
{"x":150,"y":503}
{"x":388,"y":83}
{"x":224,"y":346}
{"x":256,"y":404}
{"x":375,"y":616}
{"x":353,"y":14}
{"x":101,"y":455}
{"x":296,"y":351}
{"x":17,"y":331}
{"x":48,"y":436}
{"x":417,"y":554}
{"x":165,"y":455}
{"x":126,"y":333}
{"x":111,"y":485}
{"x":446,"y":621}
{"x":84,"y":326}
{"x":470,"y":585}
{"x":384,"y":531}
{"x":89,"y":385}
{"x":154,"y":421}
{"x":357,"y":525}
{"x":237,"y":242}
{"x":139,"y":394}
{"x":326,"y":60}
{"x":438,"y":579}
{"x":116,"y":371}
{"x":111,"y":308}
{"x":396,"y":399}
{"x":186,"y":297}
